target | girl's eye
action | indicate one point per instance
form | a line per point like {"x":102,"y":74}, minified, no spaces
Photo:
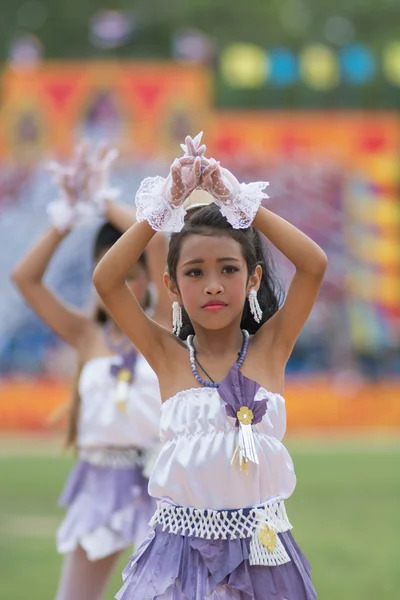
{"x":229,"y":269}
{"x":194,"y":273}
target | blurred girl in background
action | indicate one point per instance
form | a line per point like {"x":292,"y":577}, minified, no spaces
{"x":114,"y":416}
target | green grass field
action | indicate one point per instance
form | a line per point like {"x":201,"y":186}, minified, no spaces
{"x":345,"y":512}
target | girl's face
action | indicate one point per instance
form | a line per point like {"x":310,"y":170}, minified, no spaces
{"x":212,"y":280}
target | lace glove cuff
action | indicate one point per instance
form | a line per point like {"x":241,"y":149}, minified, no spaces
{"x":153,"y":207}
{"x":64,"y":216}
{"x":241,"y":209}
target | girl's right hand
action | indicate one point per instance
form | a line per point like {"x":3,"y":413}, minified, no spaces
{"x":72,"y":179}
{"x":183,"y":179}
{"x":83,"y":187}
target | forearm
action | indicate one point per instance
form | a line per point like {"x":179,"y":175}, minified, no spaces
{"x":113,"y":268}
{"x":120,"y":216}
{"x":156,"y":253}
{"x":305,"y":254}
{"x":31,"y":269}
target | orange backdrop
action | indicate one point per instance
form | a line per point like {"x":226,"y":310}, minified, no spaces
{"x":146,"y":109}
{"x":311,"y":404}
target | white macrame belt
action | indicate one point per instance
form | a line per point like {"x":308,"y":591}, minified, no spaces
{"x":221,"y":524}
{"x":112,"y":457}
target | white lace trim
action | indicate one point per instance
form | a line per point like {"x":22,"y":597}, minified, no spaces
{"x":151,"y":206}
{"x":241,"y":211}
{"x":63,"y":215}
{"x":118,"y":458}
{"x":210,"y":524}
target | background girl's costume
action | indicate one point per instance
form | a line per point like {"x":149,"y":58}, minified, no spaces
{"x":118,"y":434}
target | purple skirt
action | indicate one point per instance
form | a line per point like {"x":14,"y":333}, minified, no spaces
{"x":174,"y":567}
{"x":108,"y":509}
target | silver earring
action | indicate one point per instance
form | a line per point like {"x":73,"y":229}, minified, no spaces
{"x":255,"y":308}
{"x":176,"y":318}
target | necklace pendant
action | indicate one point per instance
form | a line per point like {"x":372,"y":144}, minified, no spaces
{"x":124,"y":380}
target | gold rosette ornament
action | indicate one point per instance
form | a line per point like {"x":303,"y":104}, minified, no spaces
{"x":246,"y":447}
{"x":268,"y":538}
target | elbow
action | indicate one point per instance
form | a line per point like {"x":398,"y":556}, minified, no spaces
{"x":315,"y":266}
{"x":16,"y":278}
{"x":24,"y":281}
{"x":103,"y":282}
{"x":320,"y":264}
{"x":100,"y":282}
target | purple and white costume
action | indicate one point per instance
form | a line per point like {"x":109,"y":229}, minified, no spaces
{"x":218,"y":532}
{"x":106,"y":493}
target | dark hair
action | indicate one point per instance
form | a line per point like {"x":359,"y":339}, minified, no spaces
{"x":106,"y":236}
{"x":208,"y":220}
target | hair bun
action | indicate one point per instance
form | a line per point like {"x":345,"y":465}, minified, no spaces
{"x":198,"y":197}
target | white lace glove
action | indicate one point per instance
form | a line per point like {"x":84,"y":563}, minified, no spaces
{"x":160,"y":201}
{"x":99,"y":189}
{"x":193,"y":146}
{"x":83,"y":187}
{"x":238,"y":202}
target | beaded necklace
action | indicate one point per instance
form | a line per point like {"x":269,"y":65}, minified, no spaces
{"x":118,"y":347}
{"x":193,"y":360}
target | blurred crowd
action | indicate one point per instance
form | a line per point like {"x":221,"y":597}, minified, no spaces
{"x":310,"y":195}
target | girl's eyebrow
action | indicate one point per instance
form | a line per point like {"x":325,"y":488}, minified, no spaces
{"x":201,"y":260}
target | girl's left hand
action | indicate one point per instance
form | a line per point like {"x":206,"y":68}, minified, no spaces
{"x":219,"y":182}
{"x":86,"y":180}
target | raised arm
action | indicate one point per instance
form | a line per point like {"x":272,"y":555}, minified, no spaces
{"x":310,"y":262}
{"x":123,"y":217}
{"x":159,"y":208}
{"x":109,"y":279}
{"x":240,"y":203}
{"x":82,"y":194}
{"x":157,"y":261}
{"x":67,"y":322}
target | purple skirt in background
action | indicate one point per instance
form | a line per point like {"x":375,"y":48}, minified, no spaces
{"x":173,"y":567}
{"x":108,"y":509}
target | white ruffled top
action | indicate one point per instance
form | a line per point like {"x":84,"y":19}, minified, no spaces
{"x":101,"y":421}
{"x":194,"y":466}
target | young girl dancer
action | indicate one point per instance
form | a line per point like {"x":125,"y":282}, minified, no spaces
{"x":220,"y":530}
{"x":116,"y":414}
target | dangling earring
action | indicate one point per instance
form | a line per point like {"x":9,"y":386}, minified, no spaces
{"x":255,"y":308}
{"x":176,"y":318}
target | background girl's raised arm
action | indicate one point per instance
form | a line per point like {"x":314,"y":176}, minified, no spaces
{"x":67,"y":322}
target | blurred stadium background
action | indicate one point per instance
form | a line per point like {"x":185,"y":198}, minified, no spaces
{"x":303,"y":94}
